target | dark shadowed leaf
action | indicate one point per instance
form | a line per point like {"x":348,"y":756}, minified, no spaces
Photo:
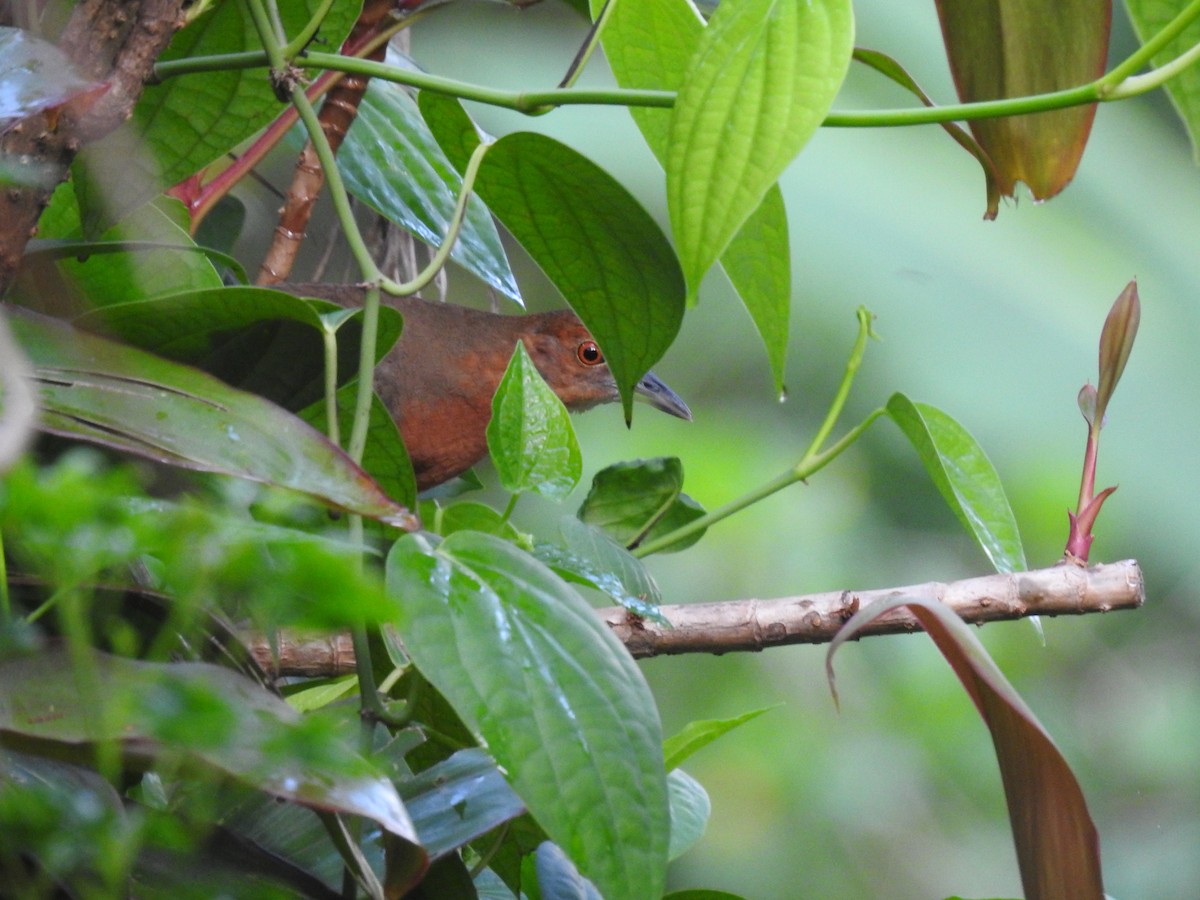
{"x":199,"y":714}
{"x":96,"y":390}
{"x":530,"y":436}
{"x":458,"y":800}
{"x":557,"y":877}
{"x":641,"y":500}
{"x":557,"y":699}
{"x":1019,"y":49}
{"x":1057,"y":845}
{"x":965,"y":477}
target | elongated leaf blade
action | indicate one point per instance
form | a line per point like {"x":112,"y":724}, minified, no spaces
{"x":96,"y":390}
{"x":758,"y":86}
{"x":558,"y":701}
{"x":648,"y":45}
{"x":1057,"y":845}
{"x":1019,"y":49}
{"x":697,"y":735}
{"x":965,"y":477}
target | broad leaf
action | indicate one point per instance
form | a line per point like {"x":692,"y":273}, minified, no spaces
{"x":594,"y":241}
{"x":194,"y":713}
{"x":690,"y":809}
{"x":966,"y":478}
{"x":758,"y":86}
{"x":458,"y":800}
{"x":530,"y":436}
{"x":1149,"y":17}
{"x":586,"y":555}
{"x":96,"y":390}
{"x":557,"y":699}
{"x":1019,"y":49}
{"x":648,"y":45}
{"x":638,"y":501}
{"x":1057,"y":846}
{"x":392,"y":163}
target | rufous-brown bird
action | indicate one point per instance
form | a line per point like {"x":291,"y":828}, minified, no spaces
{"x":438,"y":380}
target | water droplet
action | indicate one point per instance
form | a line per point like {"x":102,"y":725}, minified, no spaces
{"x":783,"y":394}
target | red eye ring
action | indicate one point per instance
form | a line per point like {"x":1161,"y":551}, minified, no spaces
{"x":589,"y":354}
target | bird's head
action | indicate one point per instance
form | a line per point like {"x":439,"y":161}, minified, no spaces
{"x":573,"y":365}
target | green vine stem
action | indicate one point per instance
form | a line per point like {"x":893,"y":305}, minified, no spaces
{"x":1118,"y":84}
{"x":813,"y":460}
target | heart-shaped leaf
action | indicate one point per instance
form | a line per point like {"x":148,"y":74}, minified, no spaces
{"x":557,"y":699}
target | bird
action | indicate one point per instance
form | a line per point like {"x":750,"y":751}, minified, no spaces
{"x":437,"y":382}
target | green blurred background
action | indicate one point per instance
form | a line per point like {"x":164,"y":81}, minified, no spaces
{"x":898,"y":796}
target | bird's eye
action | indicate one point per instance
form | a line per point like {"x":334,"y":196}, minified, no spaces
{"x":589,"y":354}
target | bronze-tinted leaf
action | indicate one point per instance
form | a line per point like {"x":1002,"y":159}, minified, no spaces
{"x":1016,"y":48}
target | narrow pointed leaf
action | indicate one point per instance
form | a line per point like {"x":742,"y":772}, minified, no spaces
{"x":1057,"y":846}
{"x":555,"y":697}
{"x":648,"y":45}
{"x":696,"y":735}
{"x":1116,"y":343}
{"x":107,"y":393}
{"x":1016,"y":49}
{"x":392,"y":162}
{"x":530,"y":436}
{"x":757,"y":88}
{"x":886,"y":65}
{"x":966,"y":478}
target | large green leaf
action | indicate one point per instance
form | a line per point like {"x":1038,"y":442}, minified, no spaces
{"x":391,"y":162}
{"x":594,"y":241}
{"x":1149,"y":17}
{"x":1057,"y":846}
{"x":107,"y":393}
{"x":58,"y":703}
{"x":648,"y":45}
{"x":530,"y":436}
{"x":965,"y":477}
{"x":758,"y":86}
{"x":557,"y":699}
{"x":1023,"y":47}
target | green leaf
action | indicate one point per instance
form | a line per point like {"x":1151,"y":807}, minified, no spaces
{"x":589,"y":556}
{"x":557,"y":877}
{"x":530,"y":436}
{"x":696,"y":735}
{"x":466,"y":515}
{"x":594,"y":241}
{"x":194,"y":713}
{"x":450,"y":125}
{"x":168,"y":262}
{"x":391,"y":161}
{"x":641,"y":500}
{"x":690,"y":809}
{"x":1057,"y":846}
{"x":701,"y":894}
{"x":965,"y":477}
{"x":649,"y":45}
{"x":1018,"y":50}
{"x":557,"y":699}
{"x":458,"y":800}
{"x":889,"y":67}
{"x":758,"y":86}
{"x":96,"y":390}
{"x":1151,"y":16}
